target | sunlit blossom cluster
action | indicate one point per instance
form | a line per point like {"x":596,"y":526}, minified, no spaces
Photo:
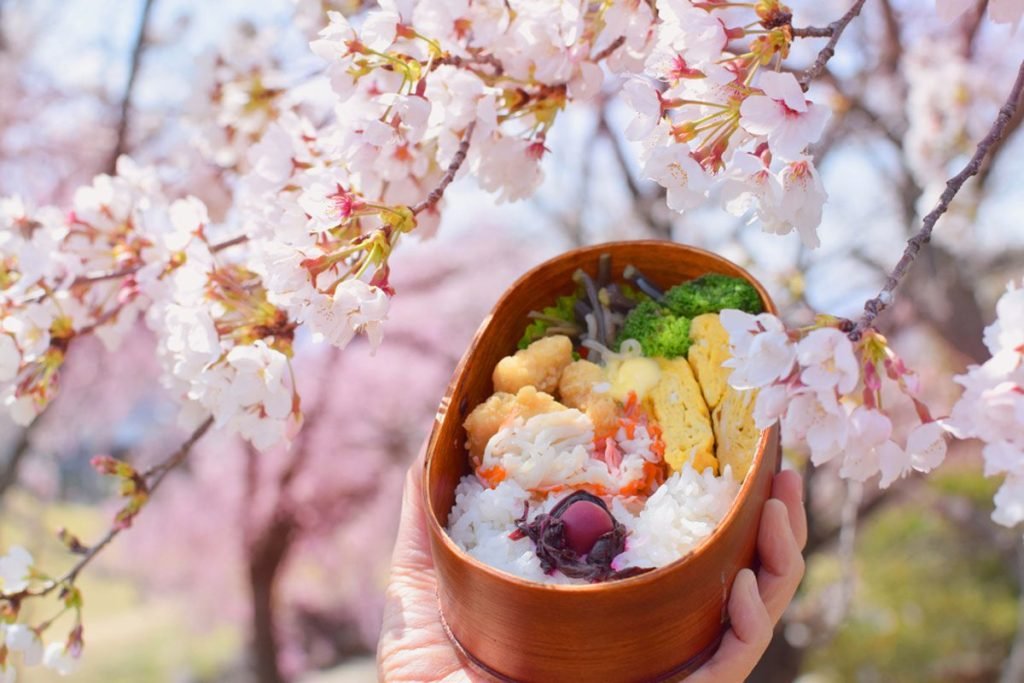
{"x":711,"y":116}
{"x":241,"y":89}
{"x":992,"y":406}
{"x":827,"y":390}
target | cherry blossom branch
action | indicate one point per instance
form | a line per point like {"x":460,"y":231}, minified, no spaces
{"x":835,"y":32}
{"x":612,"y":47}
{"x":124,"y":120}
{"x":153,"y":478}
{"x":872,"y":307}
{"x":449,"y":175}
{"x":85,"y":280}
{"x":813,"y":31}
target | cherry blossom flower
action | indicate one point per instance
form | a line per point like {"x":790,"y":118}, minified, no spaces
{"x":15,"y":570}
{"x":1006,"y":333}
{"x":10,"y":358}
{"x":678,"y":172}
{"x":818,"y":419}
{"x":868,"y":448}
{"x":762,"y":350}
{"x":926,"y":450}
{"x":58,"y":657}
{"x":24,"y":640}
{"x":644,"y":100}
{"x":803,"y":198}
{"x":992,"y":405}
{"x":750,"y":185}
{"x":353,"y":308}
{"x":784,"y":115}
{"x":828,"y":361}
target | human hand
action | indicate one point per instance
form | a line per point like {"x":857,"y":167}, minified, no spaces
{"x":414,"y":646}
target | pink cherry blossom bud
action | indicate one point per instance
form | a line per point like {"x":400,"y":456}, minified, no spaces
{"x":104,"y":464}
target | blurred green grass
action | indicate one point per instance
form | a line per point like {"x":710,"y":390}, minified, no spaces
{"x":933,"y":602}
{"x":130,"y":636}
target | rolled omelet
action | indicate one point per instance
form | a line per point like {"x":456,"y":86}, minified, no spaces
{"x":732,"y":411}
{"x":678,"y":406}
{"x":735,"y":431}
{"x":710,"y":348}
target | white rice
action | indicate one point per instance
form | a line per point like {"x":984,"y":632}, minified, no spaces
{"x":557,"y":449}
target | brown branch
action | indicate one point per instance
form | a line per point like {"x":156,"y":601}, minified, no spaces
{"x":18,"y":451}
{"x":612,"y":47}
{"x":84,"y":280}
{"x":836,"y":29}
{"x":233,"y":242}
{"x":449,"y":175}
{"x":872,"y":307}
{"x":124,"y":119}
{"x":813,"y":31}
{"x":153,"y":478}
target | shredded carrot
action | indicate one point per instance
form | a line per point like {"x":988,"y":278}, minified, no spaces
{"x":632,"y":403}
{"x":629,"y":426}
{"x":492,"y":476}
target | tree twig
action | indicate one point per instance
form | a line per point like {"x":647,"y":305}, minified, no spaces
{"x":17,"y":453}
{"x":612,"y":47}
{"x":835,"y":32}
{"x":872,"y":307}
{"x":124,"y":120}
{"x":812,"y":31}
{"x":153,"y":478}
{"x":449,"y":175}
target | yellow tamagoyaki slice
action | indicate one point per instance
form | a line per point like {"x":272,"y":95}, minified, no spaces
{"x":735,"y":431}
{"x":732,"y":411}
{"x":709,"y":348}
{"x":677,"y":405}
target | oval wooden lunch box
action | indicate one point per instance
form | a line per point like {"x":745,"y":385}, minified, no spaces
{"x":657,"y":626}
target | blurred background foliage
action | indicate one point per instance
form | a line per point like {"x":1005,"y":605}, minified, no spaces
{"x":271,"y":567}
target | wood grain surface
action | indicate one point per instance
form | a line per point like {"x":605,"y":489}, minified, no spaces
{"x":655,"y":626}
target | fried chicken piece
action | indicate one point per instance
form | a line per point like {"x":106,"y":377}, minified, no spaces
{"x":491,"y":415}
{"x":539,"y":365}
{"x":576,"y":389}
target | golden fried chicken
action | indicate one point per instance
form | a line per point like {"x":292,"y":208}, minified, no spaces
{"x":488,"y":417}
{"x":539,"y":365}
{"x":577,"y":390}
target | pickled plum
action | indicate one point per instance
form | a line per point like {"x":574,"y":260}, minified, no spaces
{"x":585,"y":522}
{"x":579,"y":537}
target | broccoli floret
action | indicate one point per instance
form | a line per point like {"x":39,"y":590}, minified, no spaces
{"x":659,"y":332}
{"x":562,"y":310}
{"x":711,"y":293}
{"x":672,"y":338}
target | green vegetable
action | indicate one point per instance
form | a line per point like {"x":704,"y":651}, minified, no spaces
{"x":712,"y":293}
{"x":659,"y":332}
{"x":562,"y":310}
